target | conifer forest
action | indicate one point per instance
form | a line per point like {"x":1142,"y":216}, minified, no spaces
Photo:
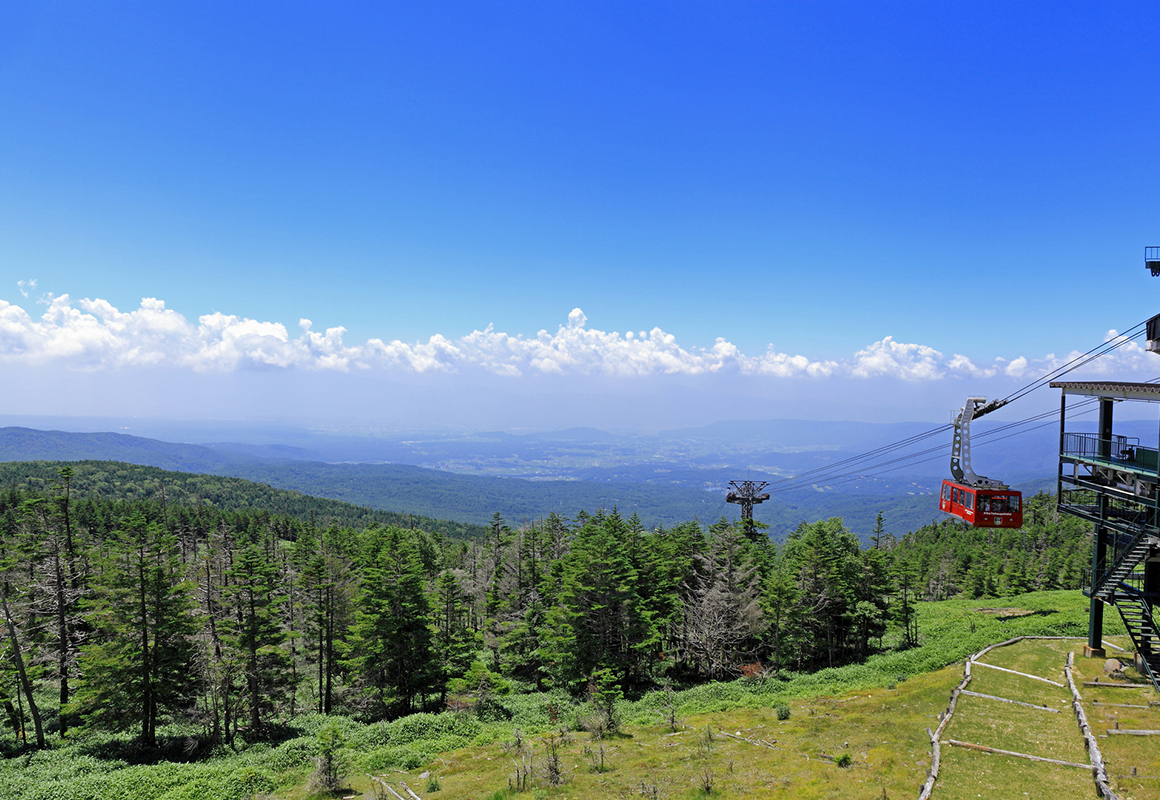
{"x":129,"y":611}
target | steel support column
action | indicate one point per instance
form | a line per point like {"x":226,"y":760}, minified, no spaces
{"x":1095,"y":645}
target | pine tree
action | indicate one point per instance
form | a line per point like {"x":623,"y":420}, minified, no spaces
{"x":499,"y":538}
{"x":455,"y":644}
{"x":781,"y":601}
{"x":52,"y":590}
{"x":824,"y":557}
{"x":391,"y":648}
{"x":600,"y":621}
{"x":21,"y":670}
{"x":905,"y":614}
{"x":137,"y":665}
{"x":255,"y":633}
{"x":328,"y":586}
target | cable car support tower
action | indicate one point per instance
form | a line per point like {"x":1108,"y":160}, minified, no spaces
{"x":746,"y":494}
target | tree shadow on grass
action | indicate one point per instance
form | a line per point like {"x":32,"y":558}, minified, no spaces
{"x":178,"y":748}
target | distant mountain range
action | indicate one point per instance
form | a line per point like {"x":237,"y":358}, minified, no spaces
{"x":25,"y":444}
{"x":666,"y":479}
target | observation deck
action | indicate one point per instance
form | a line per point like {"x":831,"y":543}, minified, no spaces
{"x":1109,"y":481}
{"x":1113,"y":481}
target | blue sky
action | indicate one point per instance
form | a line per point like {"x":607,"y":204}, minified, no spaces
{"x":802,"y":180}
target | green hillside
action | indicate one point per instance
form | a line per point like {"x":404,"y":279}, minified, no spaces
{"x":473,"y":499}
{"x":134,"y":482}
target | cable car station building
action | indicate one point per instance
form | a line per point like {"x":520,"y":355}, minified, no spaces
{"x":1114,"y":483}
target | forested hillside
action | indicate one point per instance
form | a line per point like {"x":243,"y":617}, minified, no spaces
{"x":27,"y":444}
{"x":473,"y":498}
{"x":114,"y":480}
{"x":949,"y":558}
{"x":138,"y":609}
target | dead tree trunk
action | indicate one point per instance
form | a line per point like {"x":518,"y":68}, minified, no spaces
{"x":25,"y":683}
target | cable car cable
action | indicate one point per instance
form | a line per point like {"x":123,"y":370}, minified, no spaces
{"x":826,"y":473}
{"x":983,"y":438}
{"x":820,"y":472}
{"x":1132,"y":334}
{"x":1096,"y":352}
{"x":938,"y":455}
{"x":1102,"y":349}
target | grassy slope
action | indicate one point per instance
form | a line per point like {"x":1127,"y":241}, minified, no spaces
{"x":1123,"y":755}
{"x":882,"y":729}
{"x":968,"y":773}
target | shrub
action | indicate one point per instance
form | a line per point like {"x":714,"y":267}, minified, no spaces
{"x":330,"y":765}
{"x":291,"y":754}
{"x":783,"y":711}
{"x":405,"y":757}
{"x":248,"y":781}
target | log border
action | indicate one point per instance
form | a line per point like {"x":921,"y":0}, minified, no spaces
{"x":1099,"y":773}
{"x":1008,"y":700}
{"x":997,"y":751}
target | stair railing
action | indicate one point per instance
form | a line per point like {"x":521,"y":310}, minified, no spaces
{"x":1146,"y":609}
{"x":1121,"y":558}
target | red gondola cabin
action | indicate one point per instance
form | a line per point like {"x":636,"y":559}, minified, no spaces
{"x":982,"y":508}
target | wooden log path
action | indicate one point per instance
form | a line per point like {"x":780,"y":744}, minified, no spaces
{"x":1131,"y":732}
{"x":1121,"y":705}
{"x":997,"y":751}
{"x":1022,"y":674}
{"x":944,"y":720}
{"x":395,"y":794}
{"x":1099,"y":773}
{"x":1007,"y":700}
{"x":1116,"y":685}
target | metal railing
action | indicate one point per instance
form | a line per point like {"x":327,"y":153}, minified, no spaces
{"x":1124,"y":449}
{"x":1086,"y":500}
{"x":1119,"y":547}
{"x":1142,"y":603}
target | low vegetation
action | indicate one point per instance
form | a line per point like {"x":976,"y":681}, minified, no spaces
{"x":874,"y":713}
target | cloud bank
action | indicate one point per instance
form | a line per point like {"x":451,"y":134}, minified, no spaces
{"x":94,"y":335}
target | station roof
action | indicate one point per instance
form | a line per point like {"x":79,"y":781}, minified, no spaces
{"x":1113,"y":389}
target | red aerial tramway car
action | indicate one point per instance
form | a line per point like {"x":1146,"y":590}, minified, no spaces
{"x":978,"y":501}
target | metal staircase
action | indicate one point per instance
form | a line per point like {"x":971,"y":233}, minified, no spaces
{"x":1137,"y":615}
{"x":1135,"y":551}
{"x":1119,"y":585}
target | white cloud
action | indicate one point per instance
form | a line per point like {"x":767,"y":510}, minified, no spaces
{"x":1017,"y":368}
{"x":93,"y":334}
{"x":26,"y":286}
{"x":961,"y":365}
{"x":895,"y":359}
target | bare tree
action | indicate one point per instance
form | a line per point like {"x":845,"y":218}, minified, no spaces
{"x":722,"y":608}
